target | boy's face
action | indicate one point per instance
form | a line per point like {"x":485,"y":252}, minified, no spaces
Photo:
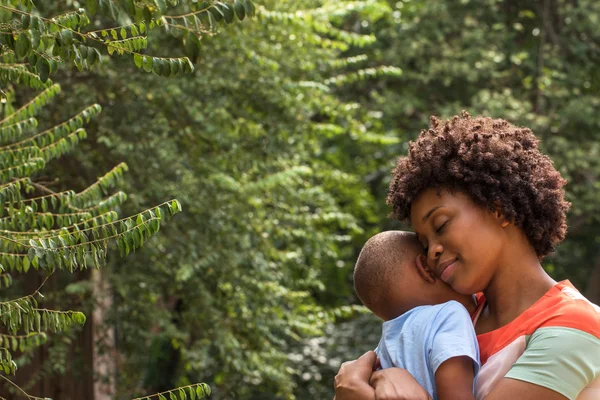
{"x":409,"y":289}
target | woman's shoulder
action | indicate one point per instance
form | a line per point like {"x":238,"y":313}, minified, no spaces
{"x":561,"y":311}
{"x":565,"y":307}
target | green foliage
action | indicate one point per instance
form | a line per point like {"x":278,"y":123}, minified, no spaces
{"x":278,"y":133}
{"x":270,"y":164}
{"x":44,"y":43}
{"x":45,"y":231}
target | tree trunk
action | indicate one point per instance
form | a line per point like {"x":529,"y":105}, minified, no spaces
{"x":103,"y":340}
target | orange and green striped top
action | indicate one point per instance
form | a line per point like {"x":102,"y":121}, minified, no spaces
{"x":555,"y":343}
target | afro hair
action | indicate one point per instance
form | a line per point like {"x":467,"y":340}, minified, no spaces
{"x":496,"y":164}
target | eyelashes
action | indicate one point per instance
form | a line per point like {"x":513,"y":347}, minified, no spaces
{"x":437,"y":231}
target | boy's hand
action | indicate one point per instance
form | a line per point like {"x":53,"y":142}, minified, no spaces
{"x":352,"y":380}
{"x":397,"y":384}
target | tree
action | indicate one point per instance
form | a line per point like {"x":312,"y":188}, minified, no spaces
{"x":46,"y":230}
{"x":269,"y":163}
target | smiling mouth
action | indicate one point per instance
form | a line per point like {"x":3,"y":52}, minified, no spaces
{"x":447,"y":270}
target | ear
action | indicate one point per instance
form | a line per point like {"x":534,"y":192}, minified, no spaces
{"x":500,"y":214}
{"x":423,"y":269}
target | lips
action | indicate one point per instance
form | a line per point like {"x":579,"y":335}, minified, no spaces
{"x":446,"y":268}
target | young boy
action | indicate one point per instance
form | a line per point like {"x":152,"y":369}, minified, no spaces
{"x":427,"y":329}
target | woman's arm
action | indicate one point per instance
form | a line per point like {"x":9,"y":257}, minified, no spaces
{"x":513,"y":389}
{"x":400,"y":385}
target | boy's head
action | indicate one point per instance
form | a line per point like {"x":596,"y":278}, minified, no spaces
{"x":389,"y":280}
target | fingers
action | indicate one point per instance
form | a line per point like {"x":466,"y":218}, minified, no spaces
{"x":377,"y":364}
{"x":367,"y":359}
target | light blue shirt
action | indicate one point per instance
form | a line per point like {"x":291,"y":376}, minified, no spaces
{"x":421,"y":339}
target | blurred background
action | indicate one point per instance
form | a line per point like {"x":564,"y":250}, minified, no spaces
{"x":279,"y":147}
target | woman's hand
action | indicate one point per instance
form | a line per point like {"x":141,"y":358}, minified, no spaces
{"x":397,"y":384}
{"x":352,"y":380}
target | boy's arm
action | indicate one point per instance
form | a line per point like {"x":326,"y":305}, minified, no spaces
{"x":454,"y":379}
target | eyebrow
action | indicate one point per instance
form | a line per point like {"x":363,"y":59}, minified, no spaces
{"x":430,"y":212}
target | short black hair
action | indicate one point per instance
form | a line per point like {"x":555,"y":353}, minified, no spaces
{"x":493,"y":162}
{"x":382,"y":258}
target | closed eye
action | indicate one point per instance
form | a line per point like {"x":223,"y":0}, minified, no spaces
{"x":439,"y":230}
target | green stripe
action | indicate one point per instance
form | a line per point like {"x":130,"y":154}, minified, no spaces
{"x":565,"y":360}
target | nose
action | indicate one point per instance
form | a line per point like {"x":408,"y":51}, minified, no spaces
{"x":435,"y":251}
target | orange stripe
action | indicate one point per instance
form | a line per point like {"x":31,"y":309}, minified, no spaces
{"x":561,"y":306}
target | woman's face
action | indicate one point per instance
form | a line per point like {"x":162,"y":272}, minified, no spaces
{"x":462,"y":241}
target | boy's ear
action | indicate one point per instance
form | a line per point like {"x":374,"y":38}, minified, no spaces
{"x":423,"y":269}
{"x":500,"y":214}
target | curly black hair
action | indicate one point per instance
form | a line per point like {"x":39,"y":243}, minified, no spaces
{"x":493,"y":162}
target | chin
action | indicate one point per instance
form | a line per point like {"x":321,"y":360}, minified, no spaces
{"x":464,"y":287}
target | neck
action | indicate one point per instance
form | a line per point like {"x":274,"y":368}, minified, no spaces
{"x":516,"y":287}
{"x":469,"y":304}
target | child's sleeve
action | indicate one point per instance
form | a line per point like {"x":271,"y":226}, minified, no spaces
{"x":452,"y":336}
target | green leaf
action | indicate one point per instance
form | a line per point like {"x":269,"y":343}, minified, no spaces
{"x":138,"y":60}
{"x":240,"y":11}
{"x":249,"y":7}
{"x":25,"y":21}
{"x":147,"y":63}
{"x":172,"y":396}
{"x":26,"y":264}
{"x":216,"y":13}
{"x":35,"y":39}
{"x":182,"y":394}
{"x":91,"y":56}
{"x":227,"y":13}
{"x":66,"y":37}
{"x":206,"y":388}
{"x":123,"y":33}
{"x":23,"y":45}
{"x":192,"y":46}
{"x":199,"y":392}
{"x":43,"y":69}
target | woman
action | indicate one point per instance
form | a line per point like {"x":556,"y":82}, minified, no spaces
{"x":487,"y":207}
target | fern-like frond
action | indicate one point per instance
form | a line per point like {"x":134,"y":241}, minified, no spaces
{"x":64,"y":145}
{"x":11,"y":192}
{"x":363,"y":74}
{"x":10,"y":133}
{"x":79,"y":249}
{"x":23,"y":342}
{"x":189,"y":392}
{"x":31,"y":221}
{"x":5,"y":280}
{"x":129,"y":45}
{"x":31,"y":108}
{"x":26,"y":169}
{"x":100,"y":187}
{"x":65,"y":222}
{"x":7,"y":365}
{"x":58,"y":201}
{"x":61,"y":130}
{"x":10,"y":157}
{"x":21,"y":75}
{"x":107,"y":204}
